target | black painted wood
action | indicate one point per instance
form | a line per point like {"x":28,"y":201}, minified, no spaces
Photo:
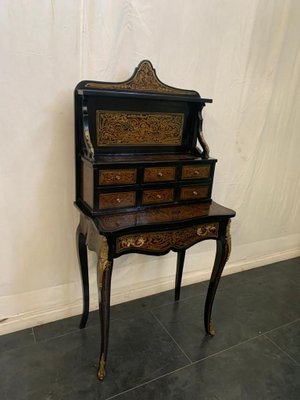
{"x":179,"y":270}
{"x":83,"y":262}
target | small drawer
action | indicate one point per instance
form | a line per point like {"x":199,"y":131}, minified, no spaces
{"x":193,"y":192}
{"x":195,"y":172}
{"x":116,"y":200}
{"x":117,"y":176}
{"x":159,"y":174}
{"x":158,"y":196}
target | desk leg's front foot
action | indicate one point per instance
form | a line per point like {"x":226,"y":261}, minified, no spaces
{"x":222,"y":255}
{"x":101,"y":369}
{"x":105,"y":265}
{"x":210,"y":329}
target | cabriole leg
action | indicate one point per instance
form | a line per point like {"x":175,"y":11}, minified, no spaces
{"x":83,"y":262}
{"x":104,"y":270}
{"x":179,"y":269}
{"x":222,"y":256}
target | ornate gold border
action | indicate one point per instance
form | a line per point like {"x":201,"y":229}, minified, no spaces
{"x":169,"y":134}
{"x":144,"y":79}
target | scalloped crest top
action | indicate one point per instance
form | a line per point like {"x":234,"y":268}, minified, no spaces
{"x":144,"y":79}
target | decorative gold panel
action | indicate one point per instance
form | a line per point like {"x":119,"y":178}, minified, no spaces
{"x":191,"y":171}
{"x":158,"y":196}
{"x":162,"y":241}
{"x":159,"y":174}
{"x":117,"y":176}
{"x":130,"y":128}
{"x":193,"y":192}
{"x":116,"y":200}
{"x":144,"y":79}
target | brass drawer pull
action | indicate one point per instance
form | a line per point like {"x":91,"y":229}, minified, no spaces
{"x":195,"y":193}
{"x":158,"y":196}
{"x":118,"y":200}
{"x":197,"y":172}
{"x":118,"y":177}
{"x":160,"y":174}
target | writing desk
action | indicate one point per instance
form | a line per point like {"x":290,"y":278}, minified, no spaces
{"x":142,"y":183}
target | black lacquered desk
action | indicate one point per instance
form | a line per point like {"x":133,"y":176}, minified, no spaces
{"x":144,"y":180}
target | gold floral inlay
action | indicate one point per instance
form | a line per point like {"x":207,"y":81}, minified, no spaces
{"x":162,"y":241}
{"x":144,"y":79}
{"x":128,"y":128}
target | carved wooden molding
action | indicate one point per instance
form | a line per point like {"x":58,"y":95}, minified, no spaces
{"x":144,"y":79}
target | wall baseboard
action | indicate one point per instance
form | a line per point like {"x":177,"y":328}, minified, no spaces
{"x":38,"y":317}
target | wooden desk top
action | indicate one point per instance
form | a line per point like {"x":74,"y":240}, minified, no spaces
{"x":162,"y":217}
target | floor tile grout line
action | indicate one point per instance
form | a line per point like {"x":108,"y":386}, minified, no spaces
{"x":169,"y":334}
{"x":185,"y":366}
{"x":283,"y":351}
{"x":150,"y":381}
{"x":281,"y":326}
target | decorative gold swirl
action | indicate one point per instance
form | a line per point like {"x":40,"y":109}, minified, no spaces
{"x":127,"y":128}
{"x":161,"y":241}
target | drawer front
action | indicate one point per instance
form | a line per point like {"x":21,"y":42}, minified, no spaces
{"x":117,"y":176}
{"x":116,"y":200}
{"x":158,"y":196}
{"x":159,"y":174}
{"x":165,"y":240}
{"x":195,"y":171}
{"x":193,"y":192}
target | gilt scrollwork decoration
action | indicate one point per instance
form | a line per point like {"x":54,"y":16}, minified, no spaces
{"x":165,"y":240}
{"x":104,"y":262}
{"x":124,"y":128}
{"x":202,"y":141}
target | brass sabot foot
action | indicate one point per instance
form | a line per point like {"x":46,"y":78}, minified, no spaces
{"x":211,"y":330}
{"x":101,"y":370}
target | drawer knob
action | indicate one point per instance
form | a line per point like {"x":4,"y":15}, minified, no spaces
{"x":160,"y":174}
{"x":197,"y":172}
{"x":118,"y":200}
{"x":118,"y":177}
{"x":195,"y":192}
{"x":158,"y":196}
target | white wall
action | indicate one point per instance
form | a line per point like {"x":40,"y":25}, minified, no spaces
{"x":243,"y":54}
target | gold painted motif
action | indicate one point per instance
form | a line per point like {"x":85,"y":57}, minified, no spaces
{"x":88,"y":143}
{"x":162,"y":241}
{"x":144,"y":79}
{"x":128,"y":128}
{"x":228,"y":240}
{"x":202,"y":141}
{"x":103,"y":263}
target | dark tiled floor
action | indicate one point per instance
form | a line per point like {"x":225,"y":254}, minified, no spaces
{"x":158,"y":349}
